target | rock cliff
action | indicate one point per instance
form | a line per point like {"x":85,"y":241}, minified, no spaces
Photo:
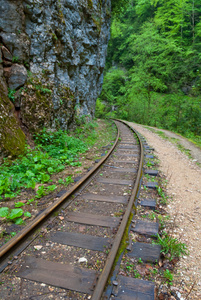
{"x":52,"y":56}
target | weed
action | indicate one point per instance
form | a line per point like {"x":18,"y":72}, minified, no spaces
{"x":11,"y":95}
{"x":164,"y":198}
{"x":152,"y":216}
{"x":30,"y":201}
{"x":171,"y":246}
{"x":15,"y":59}
{"x":19,"y":204}
{"x":140,"y":260}
{"x":13,"y":215}
{"x":169,"y":276}
{"x":161,"y":220}
{"x":149,"y":164}
{"x":129,"y":266}
{"x":68,"y":180}
{"x":136,"y":274}
{"x":60,"y":181}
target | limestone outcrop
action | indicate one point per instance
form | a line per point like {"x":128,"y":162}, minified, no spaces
{"x":52,"y":58}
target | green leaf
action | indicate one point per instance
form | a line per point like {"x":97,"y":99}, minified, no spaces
{"x":50,"y":170}
{"x":31,"y":184}
{"x":15,"y":213}
{"x":19,"y":221}
{"x":19,"y":204}
{"x":29,"y":174}
{"x":30,"y":200}
{"x":27,"y":214}
{"x":4,"y":211}
{"x":61,"y":181}
{"x":11,"y":195}
{"x":45,"y":178}
{"x":51,"y":187}
{"x":38,"y":167}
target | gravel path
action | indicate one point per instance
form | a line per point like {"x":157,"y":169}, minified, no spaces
{"x":184,"y":186}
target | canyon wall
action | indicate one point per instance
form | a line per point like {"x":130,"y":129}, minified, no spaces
{"x":52,"y":56}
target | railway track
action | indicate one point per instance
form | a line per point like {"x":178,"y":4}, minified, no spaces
{"x":74,"y":249}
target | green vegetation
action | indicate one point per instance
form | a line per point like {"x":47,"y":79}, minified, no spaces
{"x":11,"y":95}
{"x":168,"y":275}
{"x":171,"y":246}
{"x":153,"y":72}
{"x":14,"y":215}
{"x":53,"y":151}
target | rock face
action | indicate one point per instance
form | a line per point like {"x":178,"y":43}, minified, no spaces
{"x":62,"y":44}
{"x":11,"y":136}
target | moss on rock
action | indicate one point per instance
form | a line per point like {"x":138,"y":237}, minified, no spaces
{"x":12,"y":138}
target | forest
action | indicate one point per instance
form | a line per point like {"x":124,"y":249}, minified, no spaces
{"x":153,"y":71}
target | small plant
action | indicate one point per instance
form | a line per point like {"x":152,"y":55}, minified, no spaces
{"x":60,"y":181}
{"x":171,"y":245}
{"x":136,"y":274}
{"x":169,"y":276}
{"x":149,"y":164}
{"x":11,"y":95}
{"x":164,"y":198}
{"x":30,"y":201}
{"x":152,"y":216}
{"x":19,"y":204}
{"x":129,"y":266}
{"x":15,"y":59}
{"x":41,"y":192}
{"x":69,"y":180}
{"x":13,"y":215}
{"x":140,"y":260}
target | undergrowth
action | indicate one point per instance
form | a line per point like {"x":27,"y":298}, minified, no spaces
{"x":53,"y":151}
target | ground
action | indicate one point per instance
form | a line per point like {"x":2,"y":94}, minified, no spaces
{"x":184,"y":188}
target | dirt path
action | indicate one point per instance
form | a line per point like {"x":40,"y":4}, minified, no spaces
{"x":195,"y":151}
{"x":184,"y":186}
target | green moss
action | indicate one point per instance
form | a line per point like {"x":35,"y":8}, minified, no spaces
{"x":12,"y":138}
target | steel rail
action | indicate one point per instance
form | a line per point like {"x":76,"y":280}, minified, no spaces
{"x":98,"y":291}
{"x":18,"y":237}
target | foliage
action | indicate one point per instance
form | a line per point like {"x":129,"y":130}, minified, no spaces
{"x":118,"y":6}
{"x":153,"y":66}
{"x":54,"y":150}
{"x":11,"y":95}
{"x":14,"y":215}
{"x":168,"y":275}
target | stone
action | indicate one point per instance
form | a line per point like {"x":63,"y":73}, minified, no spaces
{"x":38,"y":247}
{"x":82,"y":259}
{"x":17,"y":76}
{"x":6,"y":53}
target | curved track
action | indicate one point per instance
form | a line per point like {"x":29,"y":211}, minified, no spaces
{"x":76,"y":250}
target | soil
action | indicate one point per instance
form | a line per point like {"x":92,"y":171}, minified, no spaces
{"x":183,"y":187}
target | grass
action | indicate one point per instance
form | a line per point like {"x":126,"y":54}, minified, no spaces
{"x":171,"y":247}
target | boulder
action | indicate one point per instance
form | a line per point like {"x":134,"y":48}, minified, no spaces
{"x":17,"y":76}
